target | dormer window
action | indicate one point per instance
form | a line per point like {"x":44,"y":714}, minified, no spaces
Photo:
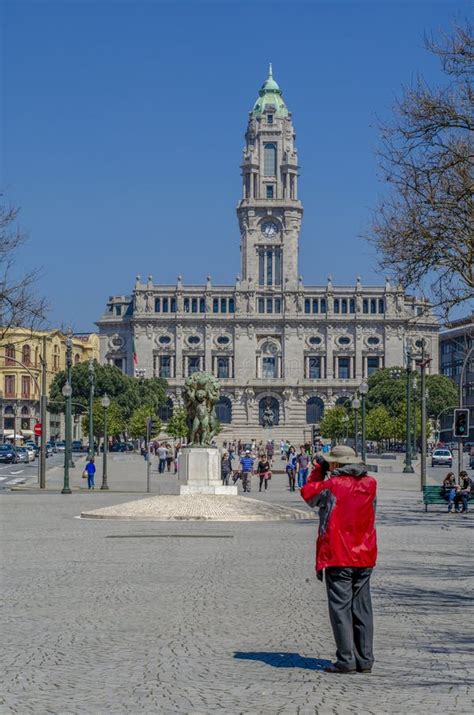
{"x":269,"y":118}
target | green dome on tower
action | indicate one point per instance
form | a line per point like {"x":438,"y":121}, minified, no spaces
{"x":270,"y":95}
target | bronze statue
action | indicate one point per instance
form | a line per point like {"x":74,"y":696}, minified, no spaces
{"x":201,"y":392}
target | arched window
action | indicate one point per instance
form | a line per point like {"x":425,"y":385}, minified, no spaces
{"x":269,"y":160}
{"x":224,"y":410}
{"x":165,"y":411}
{"x":26,"y":355}
{"x":9,"y":354}
{"x":269,"y":411}
{"x":314,"y":410}
{"x":76,"y":359}
{"x":25,"y":411}
{"x":344,"y":400}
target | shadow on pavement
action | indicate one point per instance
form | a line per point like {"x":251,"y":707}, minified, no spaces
{"x":283,"y":660}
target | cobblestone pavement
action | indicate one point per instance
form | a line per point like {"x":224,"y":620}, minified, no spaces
{"x":166,"y":617}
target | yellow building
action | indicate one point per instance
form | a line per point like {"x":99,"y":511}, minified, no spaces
{"x":20,"y":375}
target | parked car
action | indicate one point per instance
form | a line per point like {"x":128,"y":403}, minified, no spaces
{"x":48,"y":450}
{"x":51,"y":446}
{"x":8,"y":454}
{"x":60,"y":446}
{"x":442,"y":457}
{"x":77,"y":445}
{"x":121,"y":447}
{"x":32,"y":445}
{"x":23,"y":455}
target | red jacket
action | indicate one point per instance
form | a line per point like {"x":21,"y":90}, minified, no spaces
{"x":346,"y":517}
{"x":316,"y":474}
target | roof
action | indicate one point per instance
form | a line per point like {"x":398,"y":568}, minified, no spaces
{"x":270,"y":97}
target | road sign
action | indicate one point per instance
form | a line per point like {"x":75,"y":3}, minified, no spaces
{"x":38,"y":429}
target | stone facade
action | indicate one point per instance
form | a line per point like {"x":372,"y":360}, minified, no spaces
{"x":283,"y":350}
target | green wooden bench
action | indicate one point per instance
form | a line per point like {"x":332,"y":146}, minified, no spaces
{"x":432,"y":495}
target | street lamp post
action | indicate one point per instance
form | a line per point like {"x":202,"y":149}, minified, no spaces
{"x":355,"y":407}
{"x":363,"y":390}
{"x":15,"y":412}
{"x":67,"y":392}
{"x":105,"y":402}
{"x":345,"y":421}
{"x":414,"y":451}
{"x":408,"y":468}
{"x":68,"y":400}
{"x":91,"y":408}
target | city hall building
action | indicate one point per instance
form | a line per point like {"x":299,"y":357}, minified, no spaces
{"x":283,"y":351}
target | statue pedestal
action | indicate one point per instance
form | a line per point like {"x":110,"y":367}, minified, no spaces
{"x":200,"y":472}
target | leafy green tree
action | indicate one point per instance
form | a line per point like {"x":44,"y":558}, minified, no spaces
{"x":128,"y":392}
{"x":115,"y":420}
{"x":380,"y":424}
{"x":333,"y":425}
{"x":137,"y":424}
{"x":401,"y":419}
{"x":178,"y":424}
{"x":442,"y":393}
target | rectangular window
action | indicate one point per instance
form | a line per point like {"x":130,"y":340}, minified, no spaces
{"x":118,"y":310}
{"x":157,"y":305}
{"x":372,"y":365}
{"x":269,"y":160}
{"x":261,"y":305}
{"x":223,"y":305}
{"x":165,"y":366}
{"x":381,"y":305}
{"x":194,"y":305}
{"x":25,"y":386}
{"x":194,"y":364}
{"x":323,"y":305}
{"x":315,"y":305}
{"x":269,"y":305}
{"x":118,"y":362}
{"x":268,"y":367}
{"x":269,"y":191}
{"x":277,"y":305}
{"x":10,"y":386}
{"x":343,"y":368}
{"x":261,"y":267}
{"x":344,"y":306}
{"x":215,"y":305}
{"x":223,"y":368}
{"x":352,"y":306}
{"x":269,"y":268}
{"x":373,"y":306}
{"x":202,"y":305}
{"x":278,"y":271}
{"x":336,"y":305}
{"x":166,"y":305}
{"x":269,"y":118}
{"x":173,"y":305}
{"x":314,"y":368}
{"x":231,"y":305}
{"x":186,"y":305}
{"x":307,"y":305}
{"x":365,"y":306}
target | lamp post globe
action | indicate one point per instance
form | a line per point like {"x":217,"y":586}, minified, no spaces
{"x":67,"y":390}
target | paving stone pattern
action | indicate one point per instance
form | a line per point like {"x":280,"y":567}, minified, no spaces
{"x":191,"y":624}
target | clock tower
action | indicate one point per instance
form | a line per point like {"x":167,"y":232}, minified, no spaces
{"x":269,"y":212}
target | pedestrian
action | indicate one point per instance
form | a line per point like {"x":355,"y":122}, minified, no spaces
{"x":448,"y":490}
{"x":319,"y":470}
{"x":302,"y":463}
{"x":177,"y":450}
{"x":246,"y":463}
{"x":90,"y":469}
{"x":264,"y":473}
{"x":162,"y":454}
{"x":346,"y":552}
{"x":169,"y":457}
{"x":291,"y":468}
{"x":463,"y":493}
{"x":226,"y":468}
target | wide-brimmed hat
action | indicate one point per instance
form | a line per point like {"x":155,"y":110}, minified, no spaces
{"x":342,"y":455}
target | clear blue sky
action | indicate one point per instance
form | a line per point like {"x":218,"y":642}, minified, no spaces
{"x":123,"y":123}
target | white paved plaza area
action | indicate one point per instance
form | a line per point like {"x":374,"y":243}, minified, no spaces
{"x":134,"y":617}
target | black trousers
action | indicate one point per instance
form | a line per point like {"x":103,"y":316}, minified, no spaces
{"x":350,"y":612}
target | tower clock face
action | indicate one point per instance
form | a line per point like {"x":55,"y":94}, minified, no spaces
{"x":270,"y":228}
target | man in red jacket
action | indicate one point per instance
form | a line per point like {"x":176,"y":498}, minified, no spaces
{"x":346,"y":551}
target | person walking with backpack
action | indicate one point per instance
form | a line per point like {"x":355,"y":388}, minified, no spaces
{"x":90,"y":470}
{"x":346,"y":553}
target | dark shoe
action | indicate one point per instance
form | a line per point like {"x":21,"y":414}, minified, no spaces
{"x":335,"y":669}
{"x":364,"y":670}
